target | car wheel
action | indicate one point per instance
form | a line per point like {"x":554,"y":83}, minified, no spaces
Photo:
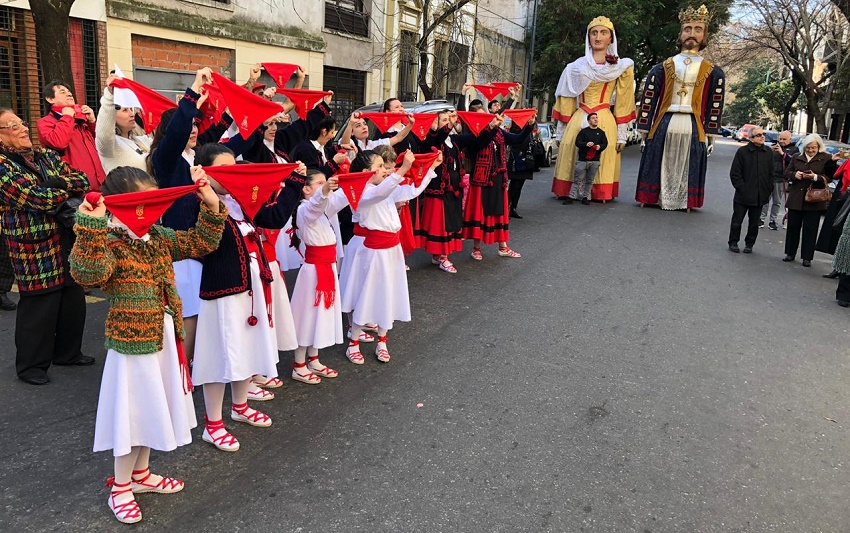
{"x":548,"y":161}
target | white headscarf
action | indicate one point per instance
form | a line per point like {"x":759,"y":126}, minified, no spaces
{"x":578,"y":75}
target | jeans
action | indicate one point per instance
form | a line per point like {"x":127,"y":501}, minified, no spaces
{"x":777,"y":199}
{"x":583,"y":179}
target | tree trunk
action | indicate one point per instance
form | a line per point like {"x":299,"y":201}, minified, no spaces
{"x":815,"y":116}
{"x":427,"y":90}
{"x":51,"y":27}
{"x":786,"y":113}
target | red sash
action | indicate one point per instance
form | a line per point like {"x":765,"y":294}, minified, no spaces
{"x":185,"y":372}
{"x":252,"y":244}
{"x":381,"y":240}
{"x":408,"y":242}
{"x":322,"y":257}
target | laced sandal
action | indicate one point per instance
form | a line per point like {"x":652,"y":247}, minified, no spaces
{"x":218,"y":436}
{"x":363,"y":337}
{"x":353,"y":353}
{"x":266,"y":382}
{"x":381,"y":351}
{"x":476,"y":254}
{"x":370,"y":326}
{"x":166,"y":485}
{"x":260,"y":395}
{"x":447,"y":266}
{"x":127,"y":512}
{"x":319,"y":369}
{"x":507,"y":252}
{"x":309,"y":377}
{"x":252,"y":417}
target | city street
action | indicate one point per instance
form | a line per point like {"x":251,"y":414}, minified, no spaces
{"x":627,"y":374}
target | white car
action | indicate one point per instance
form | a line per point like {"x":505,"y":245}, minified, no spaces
{"x":550,"y":144}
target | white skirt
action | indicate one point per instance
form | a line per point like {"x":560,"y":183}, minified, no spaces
{"x":284,"y":325}
{"x":227,"y":348}
{"x":314,"y":325}
{"x":287,"y":256}
{"x":675,"y":163}
{"x":142,"y":402}
{"x":187,"y":277}
{"x":376,"y":287}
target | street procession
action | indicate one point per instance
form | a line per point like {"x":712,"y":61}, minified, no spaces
{"x":437,"y":265}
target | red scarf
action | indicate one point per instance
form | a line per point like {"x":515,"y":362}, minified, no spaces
{"x":352,"y":186}
{"x":383,"y":121}
{"x":251,"y":185}
{"x":422,"y":124}
{"x":303,"y":99}
{"x":420,"y":167}
{"x":140,"y":210}
{"x":489,"y":91}
{"x":475,"y":121}
{"x":322,"y":257}
{"x":248,"y":109}
{"x":520,"y":117}
{"x":153,"y":104}
{"x":843,"y":173}
{"x":503,"y":86}
{"x":280,"y":72}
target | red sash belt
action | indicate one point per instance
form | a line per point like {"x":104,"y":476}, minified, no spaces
{"x":322,"y":257}
{"x":185,"y":372}
{"x":359,"y":230}
{"x":377,"y":239}
{"x":252,"y":244}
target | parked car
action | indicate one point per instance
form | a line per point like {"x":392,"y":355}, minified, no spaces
{"x":771,"y":137}
{"x":550,"y":144}
{"x":726,"y":132}
{"x":744,"y":132}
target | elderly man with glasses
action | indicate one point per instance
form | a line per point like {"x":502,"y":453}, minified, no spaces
{"x":752,"y":176}
{"x":34,"y":186}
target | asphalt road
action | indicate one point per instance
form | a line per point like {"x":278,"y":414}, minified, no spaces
{"x":627,"y":374}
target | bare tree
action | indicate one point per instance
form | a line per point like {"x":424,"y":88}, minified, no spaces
{"x":52,"y":22}
{"x":430,"y":23}
{"x":811,"y":37}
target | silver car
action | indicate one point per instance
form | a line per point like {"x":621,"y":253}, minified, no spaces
{"x":550,"y":144}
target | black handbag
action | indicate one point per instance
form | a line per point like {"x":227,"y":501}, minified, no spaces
{"x":66,"y":212}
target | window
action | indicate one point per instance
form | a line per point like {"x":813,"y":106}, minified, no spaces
{"x":440,"y":69}
{"x":349,"y":87}
{"x":408,"y":67}
{"x":347,"y":16}
{"x":458,"y":60}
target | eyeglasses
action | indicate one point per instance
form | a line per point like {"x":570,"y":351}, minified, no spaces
{"x":15,"y":125}
{"x":757,"y":135}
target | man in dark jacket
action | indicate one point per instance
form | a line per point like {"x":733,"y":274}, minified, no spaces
{"x":590,"y":141}
{"x":752,"y":177}
{"x":783,"y":151}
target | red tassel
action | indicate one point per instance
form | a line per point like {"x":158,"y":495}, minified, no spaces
{"x":185,"y":374}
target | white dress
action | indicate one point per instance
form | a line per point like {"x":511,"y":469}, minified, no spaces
{"x":315,"y":325}
{"x":142,"y":402}
{"x":374,"y":282}
{"x":287,"y":257}
{"x":227,"y":348}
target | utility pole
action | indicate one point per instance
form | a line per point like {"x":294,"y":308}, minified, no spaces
{"x":530,"y":61}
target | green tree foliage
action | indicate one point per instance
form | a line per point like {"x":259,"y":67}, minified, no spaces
{"x":746,"y":109}
{"x":646,"y":32}
{"x":773,"y":97}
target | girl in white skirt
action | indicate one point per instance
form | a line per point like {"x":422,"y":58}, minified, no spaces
{"x":318,"y":319}
{"x":145,"y":399}
{"x":373,"y":279}
{"x":239,"y":333}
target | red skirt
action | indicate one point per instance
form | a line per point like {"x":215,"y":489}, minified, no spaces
{"x":432,"y":234}
{"x":486,"y":228}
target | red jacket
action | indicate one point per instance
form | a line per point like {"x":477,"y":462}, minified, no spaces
{"x":75,"y":141}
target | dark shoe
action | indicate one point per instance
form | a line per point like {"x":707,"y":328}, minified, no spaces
{"x":748,"y":249}
{"x":6,"y":304}
{"x":843,"y":303}
{"x":807,"y":263}
{"x":773,"y":226}
{"x":39,"y":379}
{"x":585,"y":201}
{"x":568,"y":201}
{"x":788,"y":258}
{"x":832,"y":275}
{"x":734,"y":248}
{"x":761,"y":224}
{"x":514,"y":214}
{"x":83,"y":360}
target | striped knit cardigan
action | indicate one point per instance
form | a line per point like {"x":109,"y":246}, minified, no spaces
{"x":138,"y":276}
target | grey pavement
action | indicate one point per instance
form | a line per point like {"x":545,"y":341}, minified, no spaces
{"x":627,"y":374}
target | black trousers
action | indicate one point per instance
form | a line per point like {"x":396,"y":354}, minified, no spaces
{"x":49,"y":329}
{"x":514,"y":191}
{"x":842,"y":293}
{"x":7,"y":274}
{"x":805,"y":223}
{"x":753,"y":213}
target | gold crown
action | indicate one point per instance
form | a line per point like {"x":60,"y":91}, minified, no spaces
{"x":691,"y":15}
{"x":601,"y":21}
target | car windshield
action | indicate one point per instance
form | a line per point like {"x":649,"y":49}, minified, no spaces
{"x":544,"y":133}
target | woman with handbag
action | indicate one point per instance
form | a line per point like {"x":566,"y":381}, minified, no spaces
{"x":36,"y":187}
{"x":808,"y":175}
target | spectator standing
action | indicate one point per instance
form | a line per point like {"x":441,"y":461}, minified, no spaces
{"x":783,"y":152}
{"x":752,"y":175}
{"x":52,"y":307}
{"x":120,"y":141}
{"x":69,"y":129}
{"x":591,"y":142}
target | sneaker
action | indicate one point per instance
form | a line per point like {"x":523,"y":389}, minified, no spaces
{"x":773,"y":226}
{"x":761,"y":224}
{"x":567,"y":201}
{"x":585,"y":201}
